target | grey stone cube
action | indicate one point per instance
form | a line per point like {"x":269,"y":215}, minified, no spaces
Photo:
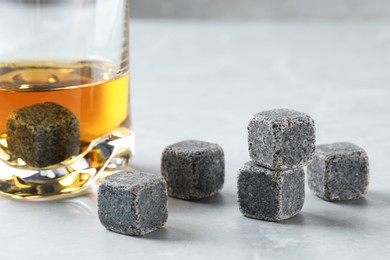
{"x":270,"y":195}
{"x":280,"y":139}
{"x":339,"y":171}
{"x":43,"y":134}
{"x":132,"y":203}
{"x":193,"y":169}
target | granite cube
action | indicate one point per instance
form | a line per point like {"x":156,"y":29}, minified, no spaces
{"x":281,"y":138}
{"x":270,"y":195}
{"x":132,"y":203}
{"x":193,"y":169}
{"x":43,"y":134}
{"x":339,"y":171}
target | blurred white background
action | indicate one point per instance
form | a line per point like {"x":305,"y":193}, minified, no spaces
{"x":279,"y":9}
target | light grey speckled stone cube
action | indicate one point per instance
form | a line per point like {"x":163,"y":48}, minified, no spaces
{"x":193,"y":169}
{"x":132,"y":203}
{"x":339,"y":171}
{"x":270,"y":195}
{"x":281,"y":138}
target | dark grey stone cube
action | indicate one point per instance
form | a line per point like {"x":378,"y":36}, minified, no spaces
{"x":270,"y":195}
{"x":132,"y":203}
{"x":43,"y":134}
{"x":280,"y":139}
{"x":193,"y":169}
{"x":339,"y":171}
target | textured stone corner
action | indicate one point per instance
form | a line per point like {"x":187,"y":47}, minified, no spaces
{"x":280,"y":139}
{"x":132,"y":203}
{"x":339,"y":171}
{"x":193,"y":169}
{"x":270,"y":195}
{"x":43,"y":134}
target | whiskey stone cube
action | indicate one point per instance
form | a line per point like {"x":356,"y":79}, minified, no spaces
{"x":270,"y":195}
{"x":280,"y":139}
{"x":339,"y":171}
{"x":193,"y":169}
{"x":43,"y":134}
{"x":132,"y":203}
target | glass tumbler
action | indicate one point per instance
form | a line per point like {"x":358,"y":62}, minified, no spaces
{"x":64,"y":95}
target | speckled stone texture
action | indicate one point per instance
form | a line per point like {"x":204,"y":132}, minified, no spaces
{"x":193,"y":169}
{"x":270,"y":195}
{"x":132,"y":203}
{"x":43,"y":134}
{"x":339,"y":171}
{"x":281,"y":138}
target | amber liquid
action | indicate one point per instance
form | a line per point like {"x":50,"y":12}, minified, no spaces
{"x":90,"y":90}
{"x":96,"y":93}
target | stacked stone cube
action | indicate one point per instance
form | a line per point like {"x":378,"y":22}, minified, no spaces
{"x":271,"y":185}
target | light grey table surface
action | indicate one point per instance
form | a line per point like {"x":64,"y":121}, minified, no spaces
{"x":204,"y":80}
